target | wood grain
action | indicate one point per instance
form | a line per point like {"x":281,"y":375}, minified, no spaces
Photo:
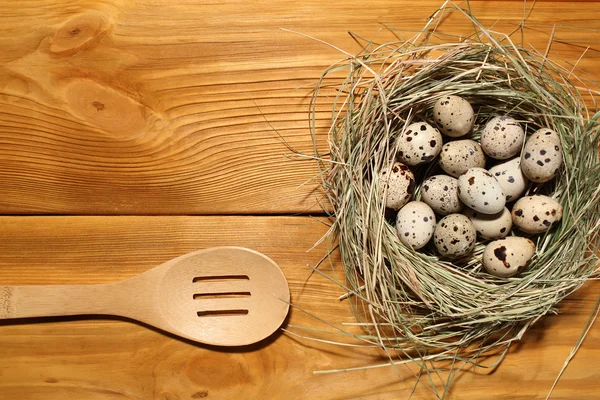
{"x":113,"y":359}
{"x":157,"y":107}
{"x":127,"y":118}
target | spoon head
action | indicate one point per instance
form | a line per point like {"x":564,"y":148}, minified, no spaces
{"x":224,"y":296}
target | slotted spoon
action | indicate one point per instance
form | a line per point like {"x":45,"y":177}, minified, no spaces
{"x":224,"y":296}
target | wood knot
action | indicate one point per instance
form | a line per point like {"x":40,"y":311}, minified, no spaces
{"x":99,"y":106}
{"x":109,"y":109}
{"x":79,"y":33}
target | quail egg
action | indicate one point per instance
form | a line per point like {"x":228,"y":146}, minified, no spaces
{"x":542,"y":155}
{"x":502,"y":137}
{"x":419,"y":143}
{"x":454,"y":236}
{"x":479,"y":190}
{"x":491,"y":226}
{"x":440,"y":192}
{"x":415,"y":223}
{"x":398,"y":183}
{"x":460,"y":155}
{"x":507,"y":257}
{"x":535,"y":214}
{"x":511,"y":178}
{"x":454,"y":115}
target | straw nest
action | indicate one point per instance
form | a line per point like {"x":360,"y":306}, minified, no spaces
{"x":416,"y":304}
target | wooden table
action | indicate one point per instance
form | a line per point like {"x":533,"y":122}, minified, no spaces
{"x":134,"y":132}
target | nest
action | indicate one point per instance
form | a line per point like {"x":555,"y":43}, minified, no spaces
{"x":415,"y":304}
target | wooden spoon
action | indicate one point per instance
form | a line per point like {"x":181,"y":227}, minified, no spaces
{"x":225,"y":296}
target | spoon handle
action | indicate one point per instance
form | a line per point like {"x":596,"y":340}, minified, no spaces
{"x":29,"y":301}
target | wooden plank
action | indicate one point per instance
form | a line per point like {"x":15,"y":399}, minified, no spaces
{"x":102,"y":358}
{"x":154,"y":107}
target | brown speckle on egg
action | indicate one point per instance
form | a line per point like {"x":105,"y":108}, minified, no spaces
{"x":500,"y":253}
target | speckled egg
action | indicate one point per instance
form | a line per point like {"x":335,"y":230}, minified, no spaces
{"x":415,"y":223}
{"x":502,"y":137}
{"x":460,"y":155}
{"x":454,"y":115}
{"x":511,"y":178}
{"x":440,"y":192}
{"x":419,"y":143}
{"x":479,"y":190}
{"x":542,"y":155}
{"x":535,"y":214}
{"x":454,"y":236}
{"x":507,"y":257}
{"x":491,"y":226}
{"x":398,"y":183}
